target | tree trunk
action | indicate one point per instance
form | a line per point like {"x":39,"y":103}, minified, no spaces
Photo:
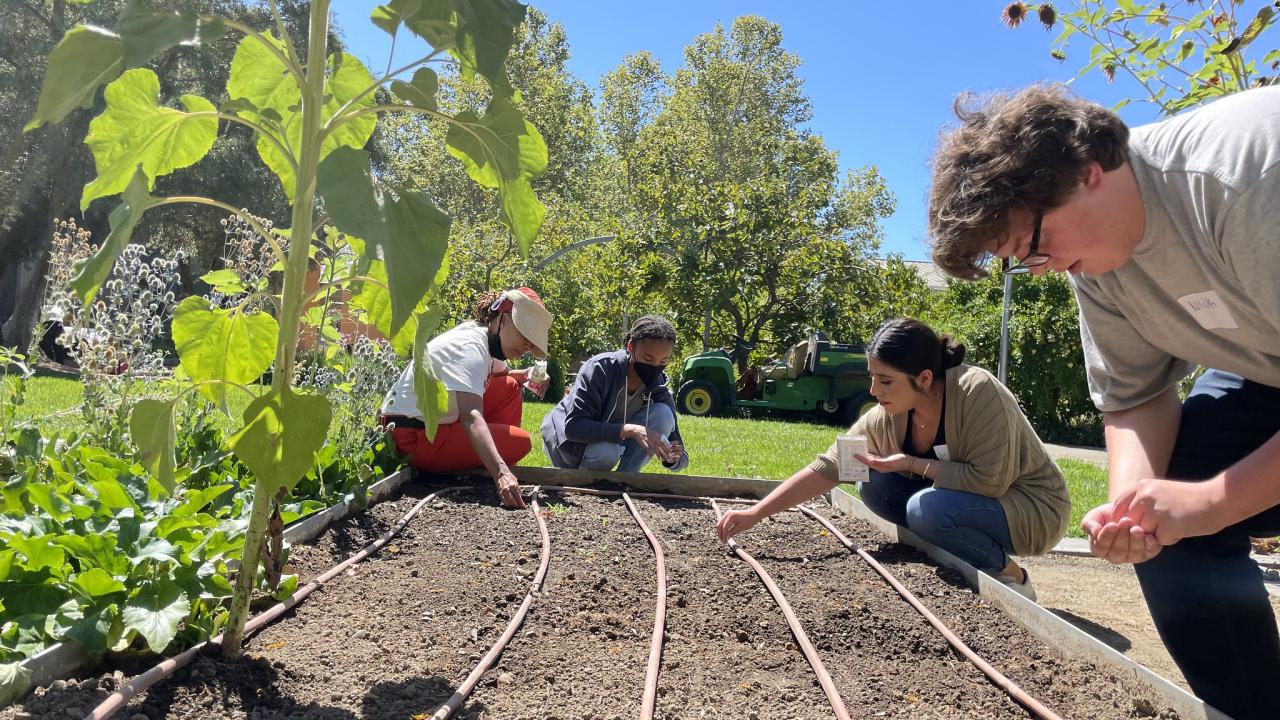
{"x":26,"y":279}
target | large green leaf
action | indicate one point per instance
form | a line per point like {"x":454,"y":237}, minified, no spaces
{"x":195,"y":500}
{"x":431,"y":20}
{"x":147,"y":33}
{"x":46,"y":497}
{"x":420,"y":91}
{"x":113,"y":497}
{"x":135,"y":131}
{"x":6,"y":563}
{"x":14,"y":681}
{"x":261,"y":80}
{"x":503,"y":150}
{"x":40,"y":552}
{"x":281,"y":434}
{"x":433,"y":398}
{"x":375,"y":300}
{"x":478,"y":33}
{"x":88,"y":57}
{"x":227,"y":345}
{"x":407,"y":232}
{"x":85,"y":59}
{"x":96,"y":582}
{"x":157,"y":549}
{"x":30,"y":598}
{"x":100,"y":550}
{"x":97,"y":630}
{"x":152,"y":427}
{"x":91,"y":273}
{"x":486,"y":30}
{"x":156,"y":611}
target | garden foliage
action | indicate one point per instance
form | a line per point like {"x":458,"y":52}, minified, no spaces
{"x":379,"y":249}
{"x":1180,"y":54}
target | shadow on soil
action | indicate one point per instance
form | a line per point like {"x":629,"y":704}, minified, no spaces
{"x":415,"y":697}
{"x":1112,"y":638}
{"x":250,"y":684}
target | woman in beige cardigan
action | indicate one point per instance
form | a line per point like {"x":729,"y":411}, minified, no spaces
{"x":951,"y":457}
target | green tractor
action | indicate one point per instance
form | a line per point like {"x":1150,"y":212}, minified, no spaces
{"x":817,"y":377}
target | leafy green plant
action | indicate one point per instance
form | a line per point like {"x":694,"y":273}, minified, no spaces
{"x":93,"y":553}
{"x":312,"y":113}
{"x":1181,"y":54}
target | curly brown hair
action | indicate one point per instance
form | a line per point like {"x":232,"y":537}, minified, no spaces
{"x":1028,"y":149}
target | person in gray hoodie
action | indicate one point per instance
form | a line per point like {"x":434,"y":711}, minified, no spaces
{"x":620,"y":412}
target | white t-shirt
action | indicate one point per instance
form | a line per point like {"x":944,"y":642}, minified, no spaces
{"x":461,"y":360}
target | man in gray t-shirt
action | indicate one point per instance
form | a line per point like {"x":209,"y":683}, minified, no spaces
{"x":1171,"y":234}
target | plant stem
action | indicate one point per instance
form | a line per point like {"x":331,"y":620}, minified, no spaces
{"x":246,"y":580}
{"x":295,"y":277}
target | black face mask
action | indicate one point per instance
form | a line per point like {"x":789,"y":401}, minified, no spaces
{"x":648,"y":373}
{"x":495,"y":344}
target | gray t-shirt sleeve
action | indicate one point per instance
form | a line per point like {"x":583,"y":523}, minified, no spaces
{"x":1252,"y":248}
{"x":1123,"y":369}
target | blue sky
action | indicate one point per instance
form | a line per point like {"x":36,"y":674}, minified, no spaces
{"x":881,"y":76}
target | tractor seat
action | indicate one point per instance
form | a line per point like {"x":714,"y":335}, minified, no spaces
{"x":796,"y":359}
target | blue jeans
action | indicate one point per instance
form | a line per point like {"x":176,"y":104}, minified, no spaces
{"x":972,"y":527}
{"x":1206,"y":596}
{"x":629,"y":456}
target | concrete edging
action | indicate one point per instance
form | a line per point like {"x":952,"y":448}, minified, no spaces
{"x":1049,"y":628}
{"x":62,"y":660}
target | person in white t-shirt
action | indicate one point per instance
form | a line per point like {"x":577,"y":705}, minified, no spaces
{"x":481,"y":425}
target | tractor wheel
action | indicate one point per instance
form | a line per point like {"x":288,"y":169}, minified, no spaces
{"x":698,"y":397}
{"x":855,"y":407}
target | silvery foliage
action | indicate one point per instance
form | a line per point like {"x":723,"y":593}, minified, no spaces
{"x":248,"y":254}
{"x":354,"y":379}
{"x":114,"y":339}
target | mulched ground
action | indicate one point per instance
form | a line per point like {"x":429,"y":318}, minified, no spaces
{"x":396,"y":637}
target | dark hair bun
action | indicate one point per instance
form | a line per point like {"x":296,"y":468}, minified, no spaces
{"x":952,"y":352}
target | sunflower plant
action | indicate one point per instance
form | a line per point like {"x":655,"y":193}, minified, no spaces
{"x":1181,"y":54}
{"x":312,"y":113}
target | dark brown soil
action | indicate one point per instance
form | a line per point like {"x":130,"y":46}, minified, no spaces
{"x":396,"y":637}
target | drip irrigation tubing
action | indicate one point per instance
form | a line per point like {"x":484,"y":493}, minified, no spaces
{"x":997,"y":678}
{"x":459,"y":696}
{"x":659,"y":617}
{"x":139,"y":683}
{"x":810,"y":654}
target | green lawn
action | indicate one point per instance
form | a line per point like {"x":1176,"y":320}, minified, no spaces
{"x":729,"y":447}
{"x":733,"y":447}
{"x":53,"y":400}
{"x":1087,"y":484}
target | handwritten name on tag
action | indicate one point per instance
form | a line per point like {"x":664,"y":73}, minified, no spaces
{"x":1209,"y":310}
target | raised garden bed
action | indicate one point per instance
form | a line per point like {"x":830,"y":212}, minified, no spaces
{"x":397,"y":634}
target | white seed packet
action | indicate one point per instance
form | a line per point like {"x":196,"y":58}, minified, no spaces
{"x":851,"y":469}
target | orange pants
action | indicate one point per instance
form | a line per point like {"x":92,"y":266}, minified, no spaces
{"x":451,"y":450}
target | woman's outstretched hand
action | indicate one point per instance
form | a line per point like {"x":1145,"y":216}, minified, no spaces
{"x":734,"y":522}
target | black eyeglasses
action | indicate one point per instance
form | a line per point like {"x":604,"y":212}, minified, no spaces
{"x":1034,"y":257}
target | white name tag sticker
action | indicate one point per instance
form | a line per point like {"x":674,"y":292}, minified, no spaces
{"x":1209,"y":310}
{"x":941,"y":452}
